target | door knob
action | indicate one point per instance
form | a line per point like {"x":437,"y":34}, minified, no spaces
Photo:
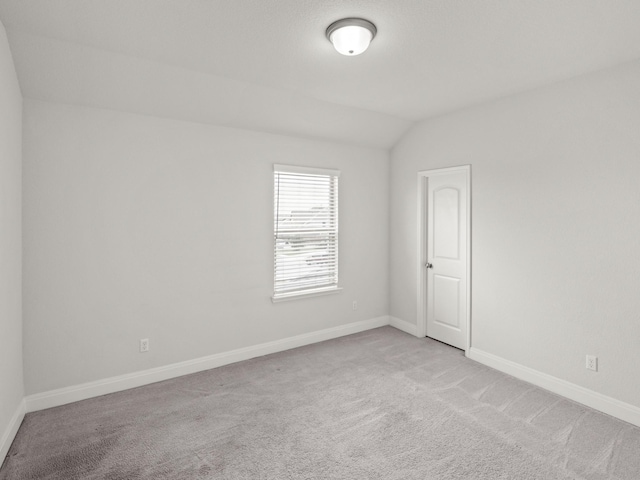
{"x":428,"y":265}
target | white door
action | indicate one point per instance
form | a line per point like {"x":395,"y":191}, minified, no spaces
{"x":446,"y":259}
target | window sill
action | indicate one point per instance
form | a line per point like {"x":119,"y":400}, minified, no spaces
{"x":306,"y":294}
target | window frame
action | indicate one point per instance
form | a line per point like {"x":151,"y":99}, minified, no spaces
{"x":280,"y":294}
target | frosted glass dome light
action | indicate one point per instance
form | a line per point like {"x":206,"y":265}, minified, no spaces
{"x":351,"y":36}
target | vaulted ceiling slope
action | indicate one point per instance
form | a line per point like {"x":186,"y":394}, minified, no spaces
{"x":266,"y":64}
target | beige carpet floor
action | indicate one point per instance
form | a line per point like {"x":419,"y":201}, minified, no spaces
{"x":376,"y":405}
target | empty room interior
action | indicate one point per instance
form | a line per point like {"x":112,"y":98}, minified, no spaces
{"x":235,"y":245}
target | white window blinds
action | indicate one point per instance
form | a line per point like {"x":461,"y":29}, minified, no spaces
{"x":305,"y":230}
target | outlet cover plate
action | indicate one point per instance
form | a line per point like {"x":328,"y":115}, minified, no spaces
{"x":592,"y":363}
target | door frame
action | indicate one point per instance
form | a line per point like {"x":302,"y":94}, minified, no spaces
{"x":423,"y":191}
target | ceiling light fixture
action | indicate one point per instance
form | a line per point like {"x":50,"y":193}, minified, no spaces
{"x":351,"y":36}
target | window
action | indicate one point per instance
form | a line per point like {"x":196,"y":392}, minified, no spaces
{"x":305,"y":231}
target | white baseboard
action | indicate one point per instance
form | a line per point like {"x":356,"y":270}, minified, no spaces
{"x":10,"y":432}
{"x":62,"y":396}
{"x":403,"y":325}
{"x":610,"y":406}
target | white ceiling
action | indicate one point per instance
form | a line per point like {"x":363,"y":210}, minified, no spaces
{"x":266,"y":64}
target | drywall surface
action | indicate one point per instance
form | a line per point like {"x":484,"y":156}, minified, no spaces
{"x":141,"y":227}
{"x":68,"y":72}
{"x":11,"y":383}
{"x":555,"y":225}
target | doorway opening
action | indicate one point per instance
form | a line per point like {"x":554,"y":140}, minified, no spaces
{"x":444,"y":255}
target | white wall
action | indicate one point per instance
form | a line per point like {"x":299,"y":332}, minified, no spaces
{"x":141,"y":227}
{"x":11,"y":384}
{"x":556,"y":225}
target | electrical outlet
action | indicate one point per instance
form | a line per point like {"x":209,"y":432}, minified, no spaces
{"x":592,"y":363}
{"x":144,"y":345}
{"x":355,"y":305}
